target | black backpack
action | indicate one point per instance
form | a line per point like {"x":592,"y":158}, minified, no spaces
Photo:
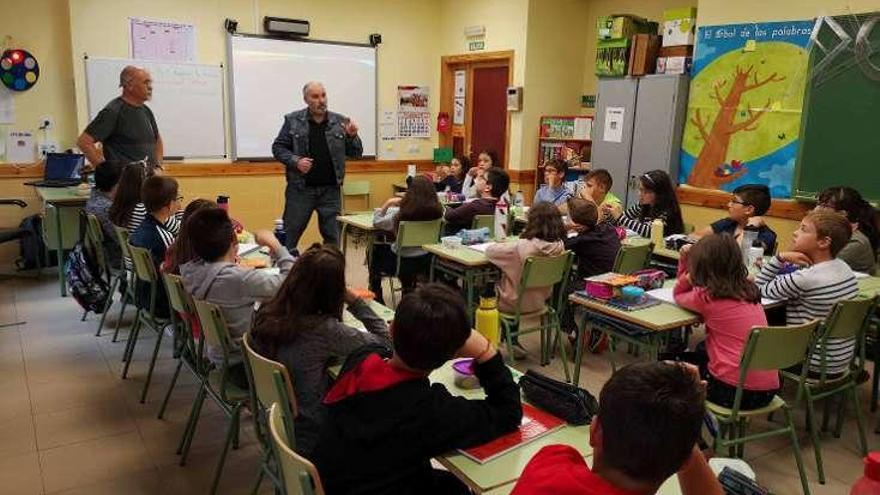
{"x":85,"y":281}
{"x":32,"y":247}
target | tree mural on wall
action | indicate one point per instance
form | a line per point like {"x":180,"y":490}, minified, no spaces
{"x":716,"y":139}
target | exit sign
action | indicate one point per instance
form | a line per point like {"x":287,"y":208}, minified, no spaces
{"x":588,"y":101}
{"x":476,"y":45}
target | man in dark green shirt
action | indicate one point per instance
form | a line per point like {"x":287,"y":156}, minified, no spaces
{"x":126,"y":127}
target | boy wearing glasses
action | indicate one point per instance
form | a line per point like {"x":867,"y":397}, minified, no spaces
{"x":553,"y":190}
{"x":744,"y":211}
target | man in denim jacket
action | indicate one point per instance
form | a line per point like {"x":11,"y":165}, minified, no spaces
{"x":312,"y":145}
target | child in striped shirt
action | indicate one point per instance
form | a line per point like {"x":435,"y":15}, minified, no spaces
{"x":824,"y":280}
{"x":657,"y":201}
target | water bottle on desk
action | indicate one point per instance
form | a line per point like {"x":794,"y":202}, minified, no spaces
{"x":519,"y":203}
{"x":657,"y":233}
{"x":280,"y":233}
{"x":223,"y":202}
{"x":749,"y":236}
{"x":487,"y":320}
{"x":501,"y":208}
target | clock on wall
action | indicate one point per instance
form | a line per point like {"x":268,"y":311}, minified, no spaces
{"x":19,"y":70}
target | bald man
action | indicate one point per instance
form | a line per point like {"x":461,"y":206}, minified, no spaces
{"x":126,"y":127}
{"x":312,"y":145}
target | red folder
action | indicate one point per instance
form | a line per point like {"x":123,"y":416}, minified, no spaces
{"x":535,"y":423}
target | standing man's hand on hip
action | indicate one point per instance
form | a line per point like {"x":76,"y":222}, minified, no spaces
{"x":350,"y":127}
{"x":304,"y":164}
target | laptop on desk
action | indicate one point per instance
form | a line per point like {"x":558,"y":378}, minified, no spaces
{"x":61,"y":170}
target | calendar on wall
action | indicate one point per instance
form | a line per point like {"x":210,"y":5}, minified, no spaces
{"x":413,"y":116}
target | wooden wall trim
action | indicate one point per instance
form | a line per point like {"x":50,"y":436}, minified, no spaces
{"x":779,"y":208}
{"x":522,"y":176}
{"x":194,"y":169}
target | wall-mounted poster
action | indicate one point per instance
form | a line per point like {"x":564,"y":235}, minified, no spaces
{"x":744,"y":110}
{"x":413,"y":119}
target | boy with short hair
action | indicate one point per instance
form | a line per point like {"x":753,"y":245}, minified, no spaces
{"x":553,"y":190}
{"x":491,"y":186}
{"x":646,"y":430}
{"x":216,"y":277}
{"x":385,"y":419}
{"x":159,"y":195}
{"x":597,"y":188}
{"x":813,"y":290}
{"x":749,"y":202}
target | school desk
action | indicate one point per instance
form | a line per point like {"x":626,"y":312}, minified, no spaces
{"x":381,"y":311}
{"x":55,"y":201}
{"x":462,"y":263}
{"x":360,"y":222}
{"x":503,"y":471}
{"x":659,"y":251}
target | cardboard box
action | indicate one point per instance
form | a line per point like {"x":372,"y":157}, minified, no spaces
{"x":677,"y":51}
{"x":623,"y":27}
{"x":612,"y":57}
{"x":643,"y":54}
{"x":674,"y":65}
{"x":679,"y":26}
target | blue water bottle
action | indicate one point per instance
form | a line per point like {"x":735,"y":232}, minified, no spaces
{"x":280,"y":233}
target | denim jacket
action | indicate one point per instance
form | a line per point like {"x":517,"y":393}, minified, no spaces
{"x":292,"y":144}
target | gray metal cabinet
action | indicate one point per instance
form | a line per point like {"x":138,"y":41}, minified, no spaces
{"x":655,"y":108}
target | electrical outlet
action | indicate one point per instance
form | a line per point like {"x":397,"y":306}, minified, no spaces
{"x":44,"y":148}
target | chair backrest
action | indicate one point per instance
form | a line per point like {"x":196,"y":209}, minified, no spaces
{"x":355,"y":187}
{"x":265,"y":373}
{"x":545,"y":271}
{"x":632,"y":258}
{"x":179,"y":299}
{"x":144,"y":268}
{"x":487,"y":221}
{"x":776,"y":348}
{"x":848,"y":318}
{"x":214,"y":328}
{"x":418,"y":233}
{"x":122,"y":235}
{"x":95,"y":239}
{"x":300,"y":475}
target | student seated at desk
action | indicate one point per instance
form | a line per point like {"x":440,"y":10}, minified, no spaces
{"x":542,"y":236}
{"x":302,"y":328}
{"x":554,"y":190}
{"x":656,"y":201}
{"x":454,"y":178}
{"x":492,"y":185}
{"x":386,"y":421}
{"x":597,"y":188}
{"x":485,"y":160}
{"x":860,"y":253}
{"x":595,"y":245}
{"x":646,"y":430}
{"x":419,"y":204}
{"x":128,"y":210}
{"x":713,"y":281}
{"x":744,"y":211}
{"x":812,"y":280}
{"x":99,"y":203}
{"x":215,"y":277}
{"x":161,"y":202}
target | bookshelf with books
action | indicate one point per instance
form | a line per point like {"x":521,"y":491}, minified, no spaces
{"x":566,"y":138}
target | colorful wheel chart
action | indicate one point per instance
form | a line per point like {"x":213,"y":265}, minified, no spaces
{"x":19,"y":70}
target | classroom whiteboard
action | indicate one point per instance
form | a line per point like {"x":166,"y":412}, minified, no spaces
{"x":187,"y":102}
{"x":266,"y":80}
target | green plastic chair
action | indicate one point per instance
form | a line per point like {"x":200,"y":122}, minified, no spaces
{"x":487,"y":221}
{"x":632,"y":258}
{"x":122,"y":235}
{"x":768,"y":348}
{"x":412,"y":234}
{"x":300,"y":475}
{"x":270,"y":384}
{"x":539,"y":272}
{"x":228,"y":397}
{"x":145,"y":271}
{"x":190,"y":352}
{"x":95,"y":237}
{"x":356,"y":188}
{"x":848,"y":320}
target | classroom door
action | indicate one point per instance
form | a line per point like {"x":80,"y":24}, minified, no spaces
{"x":489,"y":114}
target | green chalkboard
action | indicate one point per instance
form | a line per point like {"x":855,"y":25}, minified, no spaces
{"x":840,"y":132}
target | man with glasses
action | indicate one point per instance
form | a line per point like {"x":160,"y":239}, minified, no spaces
{"x":126,"y":127}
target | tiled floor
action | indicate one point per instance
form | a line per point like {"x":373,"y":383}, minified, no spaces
{"x":69,"y":425}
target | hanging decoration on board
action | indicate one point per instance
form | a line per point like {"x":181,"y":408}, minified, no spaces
{"x":19,"y":70}
{"x":744,"y":109}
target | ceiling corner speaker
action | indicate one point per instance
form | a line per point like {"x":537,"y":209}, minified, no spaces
{"x":285,"y":27}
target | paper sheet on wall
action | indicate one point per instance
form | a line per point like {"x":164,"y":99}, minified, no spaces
{"x":388,"y":125}
{"x":20,"y":147}
{"x":458,"y":111}
{"x":413,"y":116}
{"x":162,"y":40}
{"x":7,"y":106}
{"x":614,"y":124}
{"x":582,"y":128}
{"x":460,"y":78}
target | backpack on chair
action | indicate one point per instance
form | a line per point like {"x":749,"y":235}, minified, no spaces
{"x":85,"y":281}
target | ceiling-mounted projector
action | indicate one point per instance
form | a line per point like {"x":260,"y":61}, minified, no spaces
{"x":287,"y":27}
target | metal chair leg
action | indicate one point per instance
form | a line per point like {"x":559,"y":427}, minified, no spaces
{"x":170,"y":388}
{"x":860,"y":422}
{"x":814,"y":436}
{"x":160,"y":333}
{"x":797,"y":452}
{"x":107,"y":304}
{"x":230,"y":438}
{"x":125,"y":301}
{"x":190,"y":431}
{"x":129,"y":346}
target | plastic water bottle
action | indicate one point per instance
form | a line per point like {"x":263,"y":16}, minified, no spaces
{"x":223,"y":202}
{"x":487,"y":319}
{"x":869,"y":484}
{"x":750,"y":235}
{"x":657,"y":233}
{"x":501,"y":208}
{"x":280,"y":233}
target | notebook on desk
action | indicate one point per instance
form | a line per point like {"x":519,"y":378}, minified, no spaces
{"x":60,"y":170}
{"x":535,"y":424}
